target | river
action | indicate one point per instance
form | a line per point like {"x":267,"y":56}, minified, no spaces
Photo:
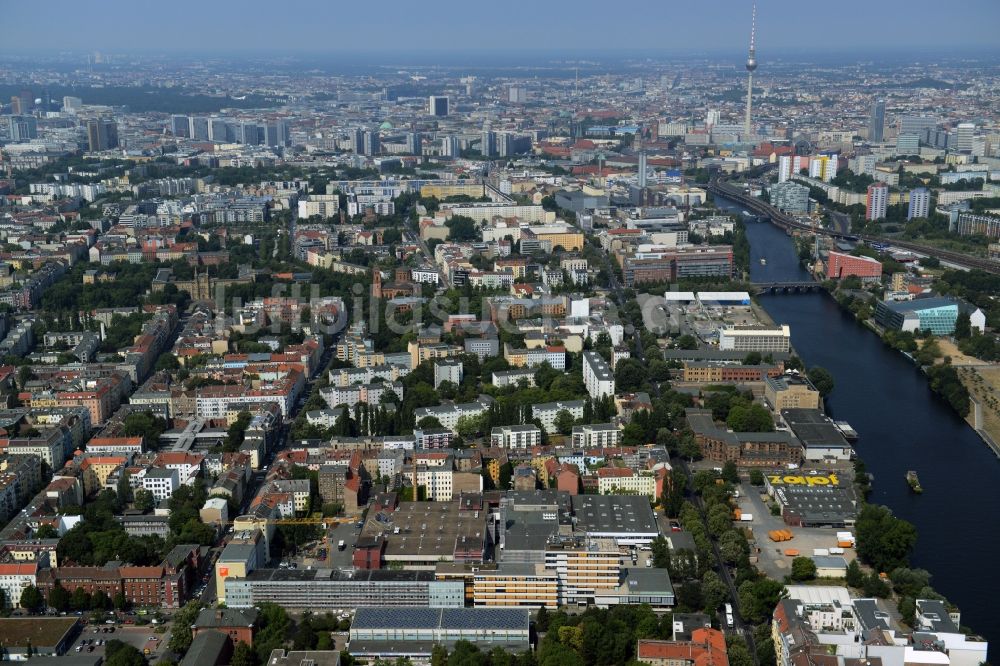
{"x":902,"y":426}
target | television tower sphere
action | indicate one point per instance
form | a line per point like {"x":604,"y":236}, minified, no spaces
{"x":751,"y":63}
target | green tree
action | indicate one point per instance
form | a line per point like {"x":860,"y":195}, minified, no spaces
{"x":803,"y":568}
{"x":144,"y":500}
{"x":963,"y":326}
{"x":243,"y":655}
{"x":59,"y":598}
{"x":119,"y":653}
{"x":756,"y":477}
{"x":750,"y":418}
{"x":180,"y":637}
{"x":821,"y":379}
{"x":660,"y":551}
{"x":753,"y":358}
{"x":855,"y":576}
{"x":687,"y":341}
{"x":563,"y":421}
{"x":713,"y":591}
{"x":32,"y":599}
{"x":730,"y":473}
{"x":884,"y":541}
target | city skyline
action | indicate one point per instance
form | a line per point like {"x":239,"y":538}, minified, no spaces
{"x":447,"y":26}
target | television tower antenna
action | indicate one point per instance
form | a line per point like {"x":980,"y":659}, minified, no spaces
{"x":751,"y":68}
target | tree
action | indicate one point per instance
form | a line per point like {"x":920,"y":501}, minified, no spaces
{"x":750,"y":418}
{"x":630,"y":374}
{"x":884,"y":541}
{"x":32,"y":599}
{"x":753,"y":358}
{"x":660,"y":551}
{"x":59,"y":598}
{"x":80,"y":599}
{"x":119,"y":653}
{"x":144,"y":500}
{"x":429,"y":422}
{"x":243,"y":655}
{"x":687,"y":341}
{"x":713,"y":591}
{"x":759,"y":597}
{"x":803,"y":568}
{"x":963,"y":326}
{"x":821,"y":379}
{"x":180,"y":637}
{"x":46,"y":531}
{"x":563,"y":421}
{"x":730,"y":473}
{"x":756,"y":477}
{"x":855,"y":576}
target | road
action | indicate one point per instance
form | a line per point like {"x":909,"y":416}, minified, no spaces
{"x":415,"y":230}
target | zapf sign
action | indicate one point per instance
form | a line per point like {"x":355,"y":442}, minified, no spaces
{"x":798,"y":480}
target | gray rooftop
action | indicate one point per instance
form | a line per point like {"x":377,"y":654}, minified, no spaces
{"x":614,"y":514}
{"x":444,"y":618}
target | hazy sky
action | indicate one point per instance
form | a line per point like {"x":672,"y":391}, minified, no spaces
{"x":434,"y":25}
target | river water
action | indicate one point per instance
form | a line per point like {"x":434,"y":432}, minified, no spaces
{"x":902,"y":426}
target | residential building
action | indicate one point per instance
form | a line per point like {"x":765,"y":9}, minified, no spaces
{"x":597,"y":375}
{"x":877,"y":201}
{"x":516,"y":436}
{"x":546,"y":413}
{"x":596,"y":435}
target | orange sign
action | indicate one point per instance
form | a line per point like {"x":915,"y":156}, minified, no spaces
{"x":223,"y":571}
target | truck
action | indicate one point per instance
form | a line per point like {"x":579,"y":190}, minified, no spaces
{"x":746,"y":517}
{"x":729,"y":615}
{"x":341,"y":545}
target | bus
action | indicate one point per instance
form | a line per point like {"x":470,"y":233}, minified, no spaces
{"x":729,"y":615}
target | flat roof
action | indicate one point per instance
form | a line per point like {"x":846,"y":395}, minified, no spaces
{"x":45,"y":632}
{"x":614,"y":514}
{"x":344,"y":575}
{"x":819,"y":594}
{"x":429,"y":530}
{"x":813,"y":428}
{"x":414,"y":617}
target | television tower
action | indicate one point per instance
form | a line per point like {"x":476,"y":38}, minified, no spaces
{"x":751,"y":67}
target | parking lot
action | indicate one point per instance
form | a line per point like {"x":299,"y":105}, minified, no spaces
{"x":93,"y":638}
{"x":773,"y":561}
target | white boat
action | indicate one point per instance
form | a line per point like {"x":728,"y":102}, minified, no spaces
{"x":763,"y":261}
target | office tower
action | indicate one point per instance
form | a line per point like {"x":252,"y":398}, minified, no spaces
{"x":751,"y":68}
{"x":505,"y":144}
{"x":276,"y":134}
{"x":712,"y":118}
{"x":437,"y":106}
{"x":878,"y":201}
{"x":517,"y":94}
{"x":908,"y":144}
{"x":920,"y":203}
{"x":248,"y":133}
{"x":22,"y":128}
{"x":823,"y":167}
{"x":642,"y":170}
{"x":71,"y":104}
{"x":450,"y":147}
{"x":963,"y":137}
{"x":414,"y":143}
{"x":198,"y":128}
{"x":101,"y":135}
{"x":916,"y":124}
{"x":790,"y":197}
{"x":488,"y":144}
{"x":26,"y":101}
{"x":371,"y":144}
{"x":217,"y":130}
{"x":180,"y":126}
{"x":876,"y":122}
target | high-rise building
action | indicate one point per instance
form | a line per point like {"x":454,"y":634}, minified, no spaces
{"x":916,"y":124}
{"x":908,"y":144}
{"x":198,"y":128}
{"x":789,"y":166}
{"x":964,"y":135}
{"x":876,"y":121}
{"x":517,"y":94}
{"x":277,"y":133}
{"x":15,"y":105}
{"x":451,"y":147}
{"x":372,"y":144}
{"x":437,"y":105}
{"x":22,"y":128}
{"x":878,"y":201}
{"x":642,"y":169}
{"x":358,"y":139}
{"x":22,"y":103}
{"x":823,"y":167}
{"x":790,"y":197}
{"x":712,"y":118}
{"x":217,"y":130}
{"x":414,"y":143}
{"x":102,"y":134}
{"x":751,"y":68}
{"x":862,"y":164}
{"x":71,"y":104}
{"x":180,"y":126}
{"x":488,"y":144}
{"x":505,"y":144}
{"x":248,"y":133}
{"x":920,"y":203}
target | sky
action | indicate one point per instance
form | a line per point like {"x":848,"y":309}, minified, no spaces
{"x":512,"y":26}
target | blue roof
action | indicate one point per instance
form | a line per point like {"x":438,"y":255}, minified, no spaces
{"x":921,"y":304}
